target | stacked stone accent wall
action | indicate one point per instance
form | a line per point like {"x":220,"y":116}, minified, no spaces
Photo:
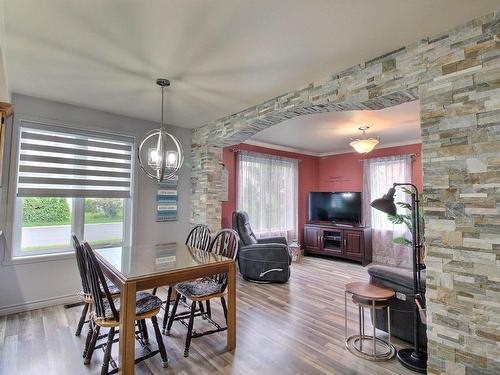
{"x":456,"y":75}
{"x":460,"y":119}
{"x":206,"y":184}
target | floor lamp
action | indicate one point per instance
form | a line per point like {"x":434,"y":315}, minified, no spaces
{"x":412,"y":358}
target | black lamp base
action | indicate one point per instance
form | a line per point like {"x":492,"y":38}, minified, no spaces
{"x":413,"y":361}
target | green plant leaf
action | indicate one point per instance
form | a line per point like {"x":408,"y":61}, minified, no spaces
{"x":402,"y":241}
{"x":406,"y":190}
{"x":395,"y":219}
{"x":406,"y":219}
{"x":404,"y":205}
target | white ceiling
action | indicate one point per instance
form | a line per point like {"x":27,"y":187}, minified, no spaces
{"x":330,"y":133}
{"x":222,"y":56}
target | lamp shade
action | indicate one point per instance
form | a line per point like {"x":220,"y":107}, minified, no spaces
{"x":386,"y":203}
{"x":364,"y":145}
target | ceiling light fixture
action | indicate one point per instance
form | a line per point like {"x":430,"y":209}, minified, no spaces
{"x":364,"y":144}
{"x":163,"y":151}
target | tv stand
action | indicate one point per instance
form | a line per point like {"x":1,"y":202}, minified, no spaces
{"x":344,"y":225}
{"x":339,"y":240}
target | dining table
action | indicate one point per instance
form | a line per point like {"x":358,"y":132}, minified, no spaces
{"x":136,"y":268}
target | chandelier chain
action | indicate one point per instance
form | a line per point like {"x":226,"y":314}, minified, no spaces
{"x":162,"y":105}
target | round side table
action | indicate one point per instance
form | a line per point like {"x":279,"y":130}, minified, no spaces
{"x":373,"y":297}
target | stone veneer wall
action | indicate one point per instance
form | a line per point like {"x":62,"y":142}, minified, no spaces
{"x":456,"y":75}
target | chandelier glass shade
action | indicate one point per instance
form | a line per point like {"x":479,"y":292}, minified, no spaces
{"x":364,"y":145}
{"x":160,"y":153}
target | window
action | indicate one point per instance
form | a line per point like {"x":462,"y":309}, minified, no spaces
{"x":71,"y":182}
{"x":379,"y":175}
{"x":103,"y":221}
{"x":268,"y":192}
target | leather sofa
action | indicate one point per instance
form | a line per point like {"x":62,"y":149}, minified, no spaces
{"x":402,"y":306}
{"x":261,"y":259}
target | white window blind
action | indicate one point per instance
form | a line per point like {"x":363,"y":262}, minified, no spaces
{"x":59,"y":162}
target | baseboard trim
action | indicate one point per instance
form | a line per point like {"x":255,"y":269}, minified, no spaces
{"x":39,"y":304}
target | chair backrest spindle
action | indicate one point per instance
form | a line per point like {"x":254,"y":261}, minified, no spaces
{"x":82,"y":267}
{"x":199,"y":237}
{"x":98,"y":284}
{"x":225,"y":243}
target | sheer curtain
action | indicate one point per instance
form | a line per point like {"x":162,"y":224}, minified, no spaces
{"x":268,"y":192}
{"x":378,"y":176}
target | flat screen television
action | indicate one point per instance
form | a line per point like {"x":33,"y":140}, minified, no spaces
{"x":336,"y":207}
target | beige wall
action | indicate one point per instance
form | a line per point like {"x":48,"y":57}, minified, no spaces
{"x":4,"y":84}
{"x":31,"y":285}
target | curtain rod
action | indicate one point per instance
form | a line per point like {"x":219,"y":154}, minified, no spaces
{"x":236,"y":150}
{"x":413,"y":156}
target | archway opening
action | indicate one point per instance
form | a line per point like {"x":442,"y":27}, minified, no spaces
{"x":326,"y":162}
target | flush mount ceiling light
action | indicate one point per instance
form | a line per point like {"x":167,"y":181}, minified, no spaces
{"x":364,"y":144}
{"x":161,"y":149}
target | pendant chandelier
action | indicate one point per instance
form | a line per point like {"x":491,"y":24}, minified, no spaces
{"x":160,"y":153}
{"x":364,"y":144}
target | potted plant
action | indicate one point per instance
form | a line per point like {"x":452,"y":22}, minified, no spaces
{"x":406,"y":219}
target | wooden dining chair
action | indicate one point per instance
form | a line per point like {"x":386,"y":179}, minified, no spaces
{"x":85,"y":293}
{"x":86,"y":296}
{"x":198,"y":237}
{"x":225,"y":243}
{"x":106,"y":313}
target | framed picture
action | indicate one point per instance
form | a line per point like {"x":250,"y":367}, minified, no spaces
{"x":6,"y":111}
{"x":166,"y":200}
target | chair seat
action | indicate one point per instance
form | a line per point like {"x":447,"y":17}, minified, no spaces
{"x":113,"y":289}
{"x":146,"y":306}
{"x":199,"y":288}
{"x":145,"y":302}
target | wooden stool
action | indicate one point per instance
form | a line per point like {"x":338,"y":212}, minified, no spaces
{"x":373,"y":297}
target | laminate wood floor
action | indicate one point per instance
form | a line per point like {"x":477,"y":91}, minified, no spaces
{"x":293,"y":328}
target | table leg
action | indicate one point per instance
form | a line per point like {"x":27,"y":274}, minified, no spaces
{"x":361,"y":317}
{"x":374,"y":338}
{"x":389,"y":325}
{"x":127,"y":328}
{"x":363,"y":322}
{"x":231,"y":313}
{"x":345,"y":315}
